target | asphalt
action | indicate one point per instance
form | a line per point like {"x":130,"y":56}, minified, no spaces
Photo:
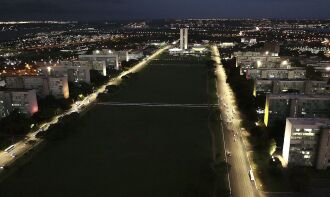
{"x":239,"y":179}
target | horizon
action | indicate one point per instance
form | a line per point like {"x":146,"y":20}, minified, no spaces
{"x":152,"y":19}
{"x":159,"y":9}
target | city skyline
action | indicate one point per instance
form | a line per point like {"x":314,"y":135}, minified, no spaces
{"x":147,"y":9}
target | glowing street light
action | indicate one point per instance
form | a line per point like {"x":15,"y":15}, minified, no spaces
{"x":285,"y":62}
{"x":259,"y":63}
{"x":49,"y":69}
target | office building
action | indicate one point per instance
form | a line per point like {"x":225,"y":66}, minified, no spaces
{"x":280,"y":106}
{"x":278,"y":86}
{"x":44,"y":86}
{"x":253,"y":60}
{"x":279,"y":73}
{"x":184,"y":39}
{"x":58,"y":87}
{"x":99,"y":66}
{"x":25,"y":101}
{"x":112,"y":59}
{"x":306,"y":142}
{"x":73,"y":73}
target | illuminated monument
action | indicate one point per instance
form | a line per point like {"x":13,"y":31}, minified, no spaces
{"x":184,"y":39}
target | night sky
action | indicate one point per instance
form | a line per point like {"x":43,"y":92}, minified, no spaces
{"x":154,"y":9}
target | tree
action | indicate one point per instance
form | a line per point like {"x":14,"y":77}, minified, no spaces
{"x":15,"y":123}
{"x":97,"y":79}
{"x":50,"y":106}
{"x":129,"y":63}
{"x":79,"y":89}
{"x":300,"y":178}
{"x":312,"y":74}
{"x":272,"y":146}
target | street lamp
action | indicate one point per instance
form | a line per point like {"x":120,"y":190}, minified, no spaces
{"x":259,"y":64}
{"x":285,"y":62}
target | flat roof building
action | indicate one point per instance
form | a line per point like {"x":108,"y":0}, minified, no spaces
{"x":25,"y":101}
{"x":280,"y":106}
{"x":306,"y":142}
{"x":112,"y":59}
{"x":279,"y":73}
{"x":74,"y":73}
{"x":44,"y":86}
{"x":99,"y":66}
{"x":278,"y":86}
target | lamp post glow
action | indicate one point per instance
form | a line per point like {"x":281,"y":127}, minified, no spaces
{"x":259,"y":63}
{"x":285,"y":62}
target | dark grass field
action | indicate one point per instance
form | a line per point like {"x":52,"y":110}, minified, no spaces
{"x":129,"y":151}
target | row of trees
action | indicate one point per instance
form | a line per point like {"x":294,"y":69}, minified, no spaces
{"x":61,"y":129}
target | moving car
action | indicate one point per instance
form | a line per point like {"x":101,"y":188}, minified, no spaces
{"x":7,"y":150}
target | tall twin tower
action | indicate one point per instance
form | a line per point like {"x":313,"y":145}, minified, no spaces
{"x":184,"y":39}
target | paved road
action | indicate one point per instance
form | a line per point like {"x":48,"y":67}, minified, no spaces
{"x":240,"y":183}
{"x":21,"y":147}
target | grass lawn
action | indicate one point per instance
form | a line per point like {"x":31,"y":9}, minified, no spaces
{"x":129,"y":151}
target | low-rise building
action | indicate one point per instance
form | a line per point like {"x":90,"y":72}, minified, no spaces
{"x":306,"y":142}
{"x":25,"y":101}
{"x":280,"y":106}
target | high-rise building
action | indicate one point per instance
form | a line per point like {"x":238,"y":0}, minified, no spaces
{"x":306,"y":142}
{"x":184,"y":39}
